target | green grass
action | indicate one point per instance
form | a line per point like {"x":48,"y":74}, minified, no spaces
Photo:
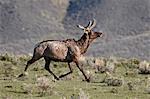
{"x":26,"y":87}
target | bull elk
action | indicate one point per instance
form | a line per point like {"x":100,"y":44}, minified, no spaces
{"x":69,"y":50}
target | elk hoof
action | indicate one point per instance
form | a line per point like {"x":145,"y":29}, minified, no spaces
{"x":20,"y":75}
{"x":56,"y":78}
{"x":88,"y":80}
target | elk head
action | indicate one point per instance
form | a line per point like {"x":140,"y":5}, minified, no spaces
{"x":88,"y":30}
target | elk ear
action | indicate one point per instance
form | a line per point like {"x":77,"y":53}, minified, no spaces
{"x":81,"y":27}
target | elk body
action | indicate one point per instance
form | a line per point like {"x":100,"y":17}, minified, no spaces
{"x":69,"y":50}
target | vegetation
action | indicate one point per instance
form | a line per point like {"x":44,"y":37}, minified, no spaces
{"x":127,"y":81}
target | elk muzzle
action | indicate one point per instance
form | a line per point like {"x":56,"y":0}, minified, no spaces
{"x":100,"y":34}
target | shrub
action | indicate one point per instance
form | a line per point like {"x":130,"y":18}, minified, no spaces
{"x":113,"y":81}
{"x":82,"y":95}
{"x":28,"y":88}
{"x":44,"y":85}
{"x":8,"y":58}
{"x":99,"y":65}
{"x":144,"y":67}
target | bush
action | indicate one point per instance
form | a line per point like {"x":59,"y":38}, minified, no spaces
{"x":113,"y":82}
{"x":8,"y":58}
{"x":44,"y":85}
{"x":144,"y":67}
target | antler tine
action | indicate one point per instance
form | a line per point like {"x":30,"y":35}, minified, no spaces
{"x":89,"y":24}
{"x":81,"y":27}
{"x":93,"y":24}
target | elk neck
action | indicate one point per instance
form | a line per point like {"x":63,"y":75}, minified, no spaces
{"x":83,"y":43}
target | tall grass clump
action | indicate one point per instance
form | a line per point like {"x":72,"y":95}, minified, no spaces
{"x":45,"y":85}
{"x":83,"y":95}
{"x":8,"y":58}
{"x":28,"y":88}
{"x":144,"y":67}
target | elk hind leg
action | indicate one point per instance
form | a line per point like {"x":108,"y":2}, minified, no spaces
{"x":31,"y":61}
{"x":34,"y":58}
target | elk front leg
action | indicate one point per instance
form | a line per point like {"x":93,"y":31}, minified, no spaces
{"x":81,"y":69}
{"x":71,"y":70}
{"x":47,"y":63}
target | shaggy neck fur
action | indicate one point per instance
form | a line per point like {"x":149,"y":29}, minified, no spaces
{"x":83,"y":43}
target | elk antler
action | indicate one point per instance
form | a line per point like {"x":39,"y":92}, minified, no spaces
{"x":87,"y":27}
{"x":93,"y":24}
{"x":89,"y":24}
{"x":81,"y":27}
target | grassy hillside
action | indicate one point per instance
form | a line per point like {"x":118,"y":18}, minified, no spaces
{"x":39,"y":84}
